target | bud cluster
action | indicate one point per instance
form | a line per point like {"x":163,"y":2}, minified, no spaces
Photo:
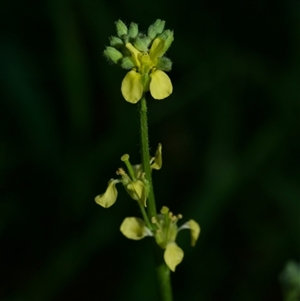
{"x":119,"y":54}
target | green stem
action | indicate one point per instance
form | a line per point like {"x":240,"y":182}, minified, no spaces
{"x":145,"y":216}
{"x":164,"y":282}
{"x":146,"y":157}
{"x":163,"y":272}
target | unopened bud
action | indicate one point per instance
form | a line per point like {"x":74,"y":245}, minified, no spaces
{"x":133,"y":30}
{"x":142,"y":43}
{"x":113,"y":54}
{"x":168,"y":37}
{"x":159,"y":26}
{"x":115,"y":42}
{"x":121,"y":28}
{"x":152,"y":32}
{"x":127,"y":63}
{"x":164,"y":64}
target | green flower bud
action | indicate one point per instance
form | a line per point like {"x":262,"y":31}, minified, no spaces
{"x":113,"y":54}
{"x":159,"y":26}
{"x":127,"y":63}
{"x":168,"y":37}
{"x":164,"y":64}
{"x":142,"y":43}
{"x":121,"y":28}
{"x":116,"y":42}
{"x":133,"y":30}
{"x":152,"y":32}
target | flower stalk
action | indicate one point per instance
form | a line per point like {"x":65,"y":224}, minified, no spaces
{"x":145,"y":156}
{"x":164,"y":282}
{"x":163,"y":272}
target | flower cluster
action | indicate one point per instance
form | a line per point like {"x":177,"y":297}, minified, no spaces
{"x":143,"y":55}
{"x":164,"y":225}
{"x":165,"y":234}
{"x":135,"y":183}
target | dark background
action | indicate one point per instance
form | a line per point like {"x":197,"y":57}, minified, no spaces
{"x":229,"y":131}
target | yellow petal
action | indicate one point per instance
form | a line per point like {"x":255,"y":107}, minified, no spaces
{"x":137,"y":191}
{"x":157,"y":50}
{"x":158,"y":158}
{"x":160,"y":85}
{"x":134,"y":228}
{"x":134,"y":54}
{"x":195,"y":231}
{"x":132,"y":87}
{"x":173,"y":255}
{"x":109,"y":197}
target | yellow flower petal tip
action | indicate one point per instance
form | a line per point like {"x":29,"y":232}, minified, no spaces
{"x":195,"y":231}
{"x":132,"y":87}
{"x":160,"y":85}
{"x":109,"y":197}
{"x":134,"y":228}
{"x":173,"y":256}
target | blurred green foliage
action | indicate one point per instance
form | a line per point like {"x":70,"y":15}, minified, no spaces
{"x":290,"y":281}
{"x":230,"y":136}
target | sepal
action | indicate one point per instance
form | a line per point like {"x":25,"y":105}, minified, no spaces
{"x":164,"y":64}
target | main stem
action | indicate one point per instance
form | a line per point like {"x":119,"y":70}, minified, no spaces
{"x":146,"y":157}
{"x":163,"y":272}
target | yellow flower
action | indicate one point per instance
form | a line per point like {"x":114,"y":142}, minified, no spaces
{"x":145,"y":75}
{"x":165,"y":234}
